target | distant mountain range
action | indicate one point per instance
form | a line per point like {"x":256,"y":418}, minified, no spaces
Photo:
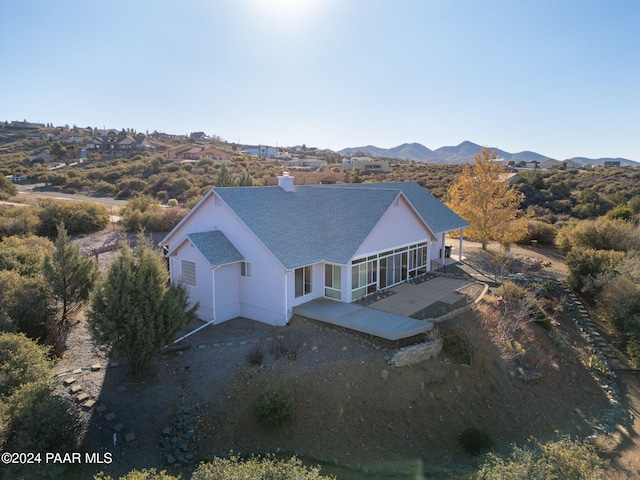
{"x":464,"y":153}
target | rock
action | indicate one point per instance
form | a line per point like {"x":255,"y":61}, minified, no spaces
{"x":171,"y":459}
{"x":166,"y":431}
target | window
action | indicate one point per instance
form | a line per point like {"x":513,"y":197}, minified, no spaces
{"x":245,"y":269}
{"x":332,"y":282}
{"x":303,"y":281}
{"x":188,"y":272}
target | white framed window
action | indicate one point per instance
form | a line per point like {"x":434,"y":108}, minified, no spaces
{"x":332,"y":281}
{"x":188,"y":271}
{"x":245,"y":269}
{"x":303,"y":281}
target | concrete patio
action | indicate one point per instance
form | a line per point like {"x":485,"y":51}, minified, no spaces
{"x":362,"y":319}
{"x":389,"y":317}
{"x":410,"y":298}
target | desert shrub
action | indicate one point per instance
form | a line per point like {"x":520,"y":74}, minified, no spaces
{"x":598,"y":234}
{"x":24,"y":255}
{"x":77,"y":217}
{"x":475,"y":441}
{"x":17,"y":220}
{"x":585,"y":264}
{"x":542,"y":232}
{"x":36,"y":420}
{"x":255,"y":356}
{"x":273,"y":407}
{"x":511,"y":292}
{"x":144,"y":474}
{"x":619,"y":298}
{"x":455,"y":346}
{"x":632,"y":327}
{"x":559,"y":460}
{"x":7,"y":188}
{"x":620,"y":213}
{"x":235,"y":468}
{"x":21,"y":361}
{"x":24,"y":305}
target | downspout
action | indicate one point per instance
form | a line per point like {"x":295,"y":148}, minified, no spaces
{"x":286,"y":306}
{"x":210,"y":322}
{"x":460,"y":249}
{"x":442,"y":242}
{"x":429,"y":246}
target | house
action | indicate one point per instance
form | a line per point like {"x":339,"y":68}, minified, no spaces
{"x":257,"y":252}
{"x":310,"y":178}
{"x":305,"y":163}
{"x":119,"y":142}
{"x":262,"y":151}
{"x":366,"y":164}
{"x":198,"y":136}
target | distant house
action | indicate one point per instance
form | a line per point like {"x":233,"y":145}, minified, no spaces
{"x":612,"y":164}
{"x":366,"y":164}
{"x":257,"y":252}
{"x":305,"y":163}
{"x":192,"y":151}
{"x":311,"y":178}
{"x":120,"y":142}
{"x":261,"y":151}
{"x":198,"y":136}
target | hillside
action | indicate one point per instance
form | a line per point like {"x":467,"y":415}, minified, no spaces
{"x":463,"y":153}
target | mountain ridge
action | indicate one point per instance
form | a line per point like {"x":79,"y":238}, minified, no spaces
{"x":464,"y":152}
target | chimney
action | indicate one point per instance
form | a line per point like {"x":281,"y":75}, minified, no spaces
{"x":285,"y":182}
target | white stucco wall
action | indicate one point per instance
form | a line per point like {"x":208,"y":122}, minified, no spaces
{"x":400,"y":225}
{"x":203,"y":290}
{"x":260,"y":297}
{"x":227,"y":292}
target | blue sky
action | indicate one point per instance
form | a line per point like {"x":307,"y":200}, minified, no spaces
{"x":558,"y":77}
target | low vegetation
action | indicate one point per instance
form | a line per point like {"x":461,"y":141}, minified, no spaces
{"x":560,"y":460}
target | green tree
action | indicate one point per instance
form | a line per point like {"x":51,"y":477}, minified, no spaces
{"x":224,"y":178}
{"x":484,"y":198}
{"x":57,"y":150}
{"x":71,"y":278}
{"x":7,"y":188}
{"x":559,"y":460}
{"x":134,"y":311}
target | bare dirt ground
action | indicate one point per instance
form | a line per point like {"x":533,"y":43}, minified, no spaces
{"x":350,"y":407}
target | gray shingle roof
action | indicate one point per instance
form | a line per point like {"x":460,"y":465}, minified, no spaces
{"x":310,"y":224}
{"x":437,"y":215}
{"x":326,"y":222}
{"x":215,"y":247}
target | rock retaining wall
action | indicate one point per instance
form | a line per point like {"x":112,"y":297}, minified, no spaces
{"x":416,"y":353}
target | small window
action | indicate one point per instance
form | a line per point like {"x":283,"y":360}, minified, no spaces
{"x":245,"y":269}
{"x":188,"y":272}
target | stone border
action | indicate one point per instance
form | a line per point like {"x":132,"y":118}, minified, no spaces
{"x":612,"y":415}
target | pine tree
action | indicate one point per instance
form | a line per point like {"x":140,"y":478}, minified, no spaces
{"x":70,"y":278}
{"x":134,"y":311}
{"x":484,"y":198}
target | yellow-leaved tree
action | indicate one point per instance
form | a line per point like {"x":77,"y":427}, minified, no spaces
{"x":483,"y":197}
